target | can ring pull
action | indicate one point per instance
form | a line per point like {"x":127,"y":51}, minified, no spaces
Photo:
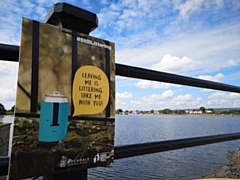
{"x":56,"y":93}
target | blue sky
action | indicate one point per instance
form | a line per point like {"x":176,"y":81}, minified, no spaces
{"x":194,"y":38}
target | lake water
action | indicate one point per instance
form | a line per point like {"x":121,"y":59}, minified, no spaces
{"x":189,"y":163}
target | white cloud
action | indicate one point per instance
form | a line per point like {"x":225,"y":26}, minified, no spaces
{"x":8,"y":83}
{"x":41,"y":2}
{"x":189,"y":7}
{"x":203,"y":50}
{"x":182,"y":101}
{"x":167,"y":94}
{"x":186,"y":100}
{"x":175,"y":64}
{"x":132,"y":14}
{"x":186,"y":97}
{"x":120,"y":104}
{"x":164,"y":100}
{"x":41,"y":11}
{"x":234,"y":95}
{"x":218,"y":77}
{"x":230,"y":63}
{"x":221,"y":95}
{"x":111,"y":17}
{"x":11,"y":17}
{"x":127,"y":13}
{"x":236,"y":103}
{"x":10,"y":34}
{"x":193,"y":6}
{"x":135,"y":103}
{"x":153,"y":84}
{"x":198,"y":48}
{"x":144,"y":84}
{"x":7,"y":97}
{"x":151,"y":99}
{"x":104,"y":2}
{"x":220,"y":99}
{"x":207,"y":90}
{"x":124,"y":95}
{"x":7,"y":67}
{"x":150,"y":33}
{"x":7,"y":93}
{"x":114,"y":7}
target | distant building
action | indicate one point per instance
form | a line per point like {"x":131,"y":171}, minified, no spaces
{"x":193,"y":111}
{"x":208,"y":111}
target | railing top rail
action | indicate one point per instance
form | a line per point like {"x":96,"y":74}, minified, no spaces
{"x":11,"y":53}
{"x":131,"y":150}
{"x":141,"y":73}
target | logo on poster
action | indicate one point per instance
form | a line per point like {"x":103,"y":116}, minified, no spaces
{"x":90,"y":91}
{"x":101,"y":157}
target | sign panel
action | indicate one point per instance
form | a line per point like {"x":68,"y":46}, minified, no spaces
{"x":65,"y":105}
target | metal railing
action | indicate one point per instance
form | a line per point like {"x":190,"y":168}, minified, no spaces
{"x":89,"y":22}
{"x":11,"y":53}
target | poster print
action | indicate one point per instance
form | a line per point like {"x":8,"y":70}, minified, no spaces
{"x":65,"y":104}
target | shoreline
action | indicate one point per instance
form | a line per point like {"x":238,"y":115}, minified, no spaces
{"x":231,"y":169}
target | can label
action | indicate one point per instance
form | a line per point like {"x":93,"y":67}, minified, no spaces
{"x":53,"y":118}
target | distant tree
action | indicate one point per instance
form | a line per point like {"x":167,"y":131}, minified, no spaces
{"x":182,"y":112}
{"x":202,"y":109}
{"x":12,"y":109}
{"x":131,"y":112}
{"x":2,"y":109}
{"x":177,"y":111}
{"x":160,"y":111}
{"x":167,"y":111}
{"x":232,"y":112}
{"x":235,"y":112}
{"x":152,"y":111}
{"x":119,"y":111}
{"x":126,"y":111}
{"x":225,"y":112}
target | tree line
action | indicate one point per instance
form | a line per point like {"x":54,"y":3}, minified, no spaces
{"x":201,"y":110}
{"x":3,"y":111}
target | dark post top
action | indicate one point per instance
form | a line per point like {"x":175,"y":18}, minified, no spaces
{"x":67,"y":16}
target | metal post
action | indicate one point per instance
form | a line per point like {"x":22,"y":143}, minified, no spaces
{"x":67,"y":16}
{"x":4,"y":162}
{"x":79,"y":20}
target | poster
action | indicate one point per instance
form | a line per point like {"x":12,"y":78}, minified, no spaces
{"x":65,"y":104}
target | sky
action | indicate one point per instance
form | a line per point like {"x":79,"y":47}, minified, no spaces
{"x":194,"y":38}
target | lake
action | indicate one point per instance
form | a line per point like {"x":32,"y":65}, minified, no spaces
{"x":189,"y":163}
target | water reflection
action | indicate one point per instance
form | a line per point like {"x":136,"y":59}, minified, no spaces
{"x":190,"y":163}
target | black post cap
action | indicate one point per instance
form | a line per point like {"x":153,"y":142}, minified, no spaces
{"x":71,"y":17}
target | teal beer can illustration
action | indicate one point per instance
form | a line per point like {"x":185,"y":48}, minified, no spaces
{"x":53,"y":118}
